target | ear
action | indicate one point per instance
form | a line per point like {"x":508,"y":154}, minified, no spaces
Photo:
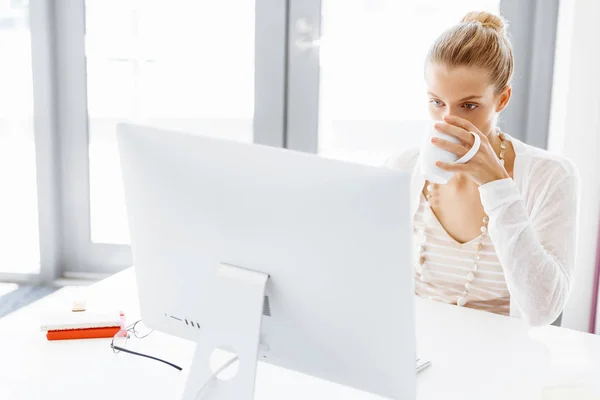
{"x":504,"y":98}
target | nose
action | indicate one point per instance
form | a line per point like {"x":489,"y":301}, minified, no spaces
{"x":451,"y":111}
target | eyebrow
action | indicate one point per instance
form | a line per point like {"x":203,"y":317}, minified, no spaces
{"x":472,"y":97}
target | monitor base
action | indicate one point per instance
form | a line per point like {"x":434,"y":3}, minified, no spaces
{"x":234,"y":325}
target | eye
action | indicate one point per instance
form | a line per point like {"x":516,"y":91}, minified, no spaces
{"x":436,"y":103}
{"x":470,"y":106}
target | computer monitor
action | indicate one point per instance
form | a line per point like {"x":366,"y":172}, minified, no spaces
{"x":276,"y":255}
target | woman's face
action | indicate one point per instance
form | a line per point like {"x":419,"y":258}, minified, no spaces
{"x":465,"y":92}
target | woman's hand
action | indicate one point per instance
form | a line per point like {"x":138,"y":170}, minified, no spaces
{"x":485,"y":167}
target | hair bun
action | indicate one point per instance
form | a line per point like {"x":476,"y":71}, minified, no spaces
{"x":487,"y":20}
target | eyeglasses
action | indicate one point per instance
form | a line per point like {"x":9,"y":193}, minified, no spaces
{"x":139,"y":331}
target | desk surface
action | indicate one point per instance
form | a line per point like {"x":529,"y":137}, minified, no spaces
{"x":476,"y":355}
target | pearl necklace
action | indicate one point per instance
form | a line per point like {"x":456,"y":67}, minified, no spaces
{"x":470,"y":277}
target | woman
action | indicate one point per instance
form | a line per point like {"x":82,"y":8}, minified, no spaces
{"x":500,"y":236}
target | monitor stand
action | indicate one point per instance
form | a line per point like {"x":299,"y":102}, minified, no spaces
{"x":234,"y":324}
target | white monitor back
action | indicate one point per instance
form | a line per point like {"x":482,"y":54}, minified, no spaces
{"x":334,"y":238}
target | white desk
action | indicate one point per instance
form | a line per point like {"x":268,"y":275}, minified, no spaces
{"x":475,"y":355}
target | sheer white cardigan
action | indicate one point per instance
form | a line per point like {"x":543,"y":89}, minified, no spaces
{"x":533,"y":225}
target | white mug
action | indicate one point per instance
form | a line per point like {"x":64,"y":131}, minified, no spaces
{"x":430,"y":153}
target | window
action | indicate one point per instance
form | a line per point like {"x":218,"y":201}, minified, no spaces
{"x":338,"y":78}
{"x":19,"y":238}
{"x":179,"y":64}
{"x":372,"y":92}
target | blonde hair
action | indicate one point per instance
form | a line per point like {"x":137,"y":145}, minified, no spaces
{"x":479,"y":40}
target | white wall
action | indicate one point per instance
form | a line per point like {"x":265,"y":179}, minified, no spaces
{"x":574,"y":132}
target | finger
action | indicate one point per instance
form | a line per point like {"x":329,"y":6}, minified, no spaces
{"x":456,"y":131}
{"x":453,"y":167}
{"x":455,"y":148}
{"x":463,"y":123}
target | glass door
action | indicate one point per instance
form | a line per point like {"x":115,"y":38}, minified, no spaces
{"x":186,"y":65}
{"x":182,"y":65}
{"x":364,"y":60}
{"x":30,"y":234}
{"x":19,"y":233}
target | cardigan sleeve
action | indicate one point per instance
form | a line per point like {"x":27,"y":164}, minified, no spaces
{"x":537,"y":252}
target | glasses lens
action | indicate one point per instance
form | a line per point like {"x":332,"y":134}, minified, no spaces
{"x":140,"y":330}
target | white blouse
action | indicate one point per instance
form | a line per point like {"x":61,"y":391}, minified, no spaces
{"x":533,"y":226}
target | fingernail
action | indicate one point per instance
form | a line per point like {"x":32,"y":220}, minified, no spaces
{"x":438,"y":163}
{"x":434,"y":140}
